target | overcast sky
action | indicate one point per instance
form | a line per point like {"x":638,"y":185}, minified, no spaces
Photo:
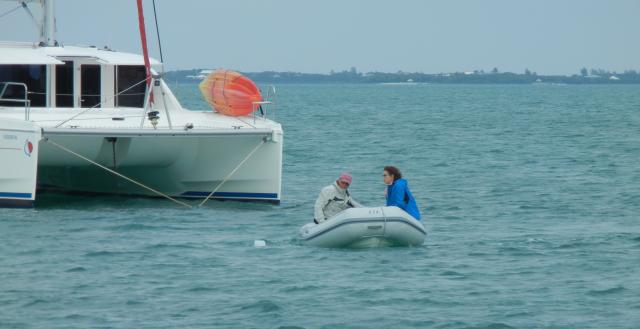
{"x":546,"y":36}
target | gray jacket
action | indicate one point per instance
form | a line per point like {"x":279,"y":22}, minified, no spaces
{"x":332,"y":200}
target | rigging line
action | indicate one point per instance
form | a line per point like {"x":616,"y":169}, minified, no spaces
{"x":85,"y":95}
{"x":115,"y":172}
{"x":95,"y":106}
{"x":26,"y":8}
{"x":10,"y":11}
{"x":155,"y":16}
{"x":264,"y":140}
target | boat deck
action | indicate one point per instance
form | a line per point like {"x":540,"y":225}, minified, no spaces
{"x":131,"y":118}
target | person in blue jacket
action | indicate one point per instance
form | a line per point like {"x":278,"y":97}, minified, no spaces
{"x":398,"y":193}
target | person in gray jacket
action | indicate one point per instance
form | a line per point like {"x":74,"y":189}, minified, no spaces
{"x":334,"y":199}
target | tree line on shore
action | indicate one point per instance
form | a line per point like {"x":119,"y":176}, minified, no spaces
{"x":495,"y":76}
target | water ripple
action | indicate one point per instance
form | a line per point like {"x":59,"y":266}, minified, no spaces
{"x":530,"y":196}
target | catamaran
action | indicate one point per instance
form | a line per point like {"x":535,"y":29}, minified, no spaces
{"x":95,"y":120}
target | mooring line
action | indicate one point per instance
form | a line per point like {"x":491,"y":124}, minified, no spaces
{"x":116,"y":173}
{"x":264,"y":140}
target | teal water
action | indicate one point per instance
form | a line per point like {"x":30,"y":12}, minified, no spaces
{"x":530,"y":194}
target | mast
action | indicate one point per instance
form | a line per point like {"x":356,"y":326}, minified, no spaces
{"x":48,"y":29}
{"x":145,"y":51}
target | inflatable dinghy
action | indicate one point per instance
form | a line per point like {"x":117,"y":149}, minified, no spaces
{"x":365,"y":228}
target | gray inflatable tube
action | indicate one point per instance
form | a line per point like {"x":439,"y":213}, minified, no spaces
{"x":365,"y":228}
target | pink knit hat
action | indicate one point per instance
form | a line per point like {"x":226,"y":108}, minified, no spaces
{"x":345,"y":177}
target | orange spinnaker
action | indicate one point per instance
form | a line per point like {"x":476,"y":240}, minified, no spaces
{"x":230,"y":92}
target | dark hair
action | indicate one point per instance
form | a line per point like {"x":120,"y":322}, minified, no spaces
{"x":393,"y":171}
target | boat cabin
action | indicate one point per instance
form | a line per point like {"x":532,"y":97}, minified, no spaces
{"x":70,"y":77}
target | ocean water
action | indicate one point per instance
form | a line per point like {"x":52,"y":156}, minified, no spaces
{"x":530,"y":195}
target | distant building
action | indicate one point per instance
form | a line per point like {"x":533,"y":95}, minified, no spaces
{"x":200,"y":76}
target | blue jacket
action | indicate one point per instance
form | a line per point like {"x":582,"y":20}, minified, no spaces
{"x":398,"y":195}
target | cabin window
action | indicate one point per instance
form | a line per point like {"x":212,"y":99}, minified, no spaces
{"x":34,"y":76}
{"x":64,"y":84}
{"x":90,"y":85}
{"x":130,"y":92}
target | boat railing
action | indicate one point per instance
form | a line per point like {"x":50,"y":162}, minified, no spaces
{"x":25,"y":100}
{"x":261,"y":109}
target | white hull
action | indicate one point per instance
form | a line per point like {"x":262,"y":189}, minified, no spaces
{"x":365,"y":228}
{"x":18,"y":162}
{"x":177,"y":162}
{"x":179,"y":165}
{"x":89,"y":111}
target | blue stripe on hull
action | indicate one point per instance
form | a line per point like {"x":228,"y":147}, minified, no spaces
{"x":16,"y":203}
{"x":15,"y":195}
{"x":231,"y":195}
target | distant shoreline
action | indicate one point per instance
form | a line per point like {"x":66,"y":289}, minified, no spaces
{"x":475,"y":77}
